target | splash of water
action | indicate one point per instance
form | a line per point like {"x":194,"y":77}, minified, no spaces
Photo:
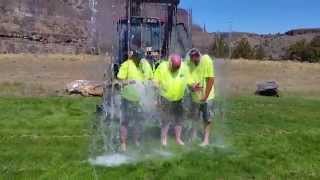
{"x":111,"y":160}
{"x":106,"y":146}
{"x":93,"y":19}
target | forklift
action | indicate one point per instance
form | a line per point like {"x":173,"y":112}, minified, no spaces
{"x":155,"y":34}
{"x":156,"y":37}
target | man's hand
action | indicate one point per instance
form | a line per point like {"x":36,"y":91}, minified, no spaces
{"x":196,"y":87}
{"x":127,"y":82}
{"x":204,"y":99}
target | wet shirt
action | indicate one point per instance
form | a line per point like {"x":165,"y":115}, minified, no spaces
{"x":199,"y":74}
{"x":130,"y":71}
{"x":172,"y":85}
{"x":146,"y":69}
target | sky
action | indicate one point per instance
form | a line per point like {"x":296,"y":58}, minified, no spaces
{"x":257,"y":16}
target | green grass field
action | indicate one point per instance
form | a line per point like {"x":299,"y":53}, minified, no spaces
{"x":267,"y":138}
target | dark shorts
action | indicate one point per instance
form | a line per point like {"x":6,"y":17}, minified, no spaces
{"x":131,"y":111}
{"x":172,"y":112}
{"x":203,"y":110}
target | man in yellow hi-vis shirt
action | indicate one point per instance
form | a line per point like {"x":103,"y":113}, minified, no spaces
{"x":171,"y":78}
{"x":131,"y":72}
{"x":201,"y":81}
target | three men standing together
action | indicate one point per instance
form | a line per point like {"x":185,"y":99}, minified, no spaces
{"x":173,"y":78}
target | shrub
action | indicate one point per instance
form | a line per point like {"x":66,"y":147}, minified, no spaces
{"x":243,"y":50}
{"x":303,"y":51}
{"x":220,"y":48}
{"x":259,"y":53}
{"x":315,"y":49}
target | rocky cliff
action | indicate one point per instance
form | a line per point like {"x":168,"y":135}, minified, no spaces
{"x":62,"y":26}
{"x":274,"y":45}
{"x":57,"y":26}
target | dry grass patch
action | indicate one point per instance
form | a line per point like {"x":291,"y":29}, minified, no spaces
{"x":53,"y":71}
{"x":293,"y":77}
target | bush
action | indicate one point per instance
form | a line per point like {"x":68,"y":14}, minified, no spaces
{"x":220,"y":48}
{"x":243,"y":50}
{"x":303,"y":51}
{"x":259,"y":53}
{"x":315,"y":49}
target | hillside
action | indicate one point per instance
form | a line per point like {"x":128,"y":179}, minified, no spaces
{"x":85,"y":26}
{"x":43,"y":26}
{"x":63,"y":26}
{"x":275,"y":45}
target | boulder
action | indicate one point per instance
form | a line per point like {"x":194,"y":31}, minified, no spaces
{"x":268,"y":88}
{"x":85,"y":88}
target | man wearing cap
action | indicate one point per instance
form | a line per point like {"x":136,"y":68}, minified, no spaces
{"x":201,"y":83}
{"x":171,"y":78}
{"x":133,"y":71}
{"x":153,"y":57}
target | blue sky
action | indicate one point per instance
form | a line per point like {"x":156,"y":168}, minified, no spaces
{"x":260,"y":16}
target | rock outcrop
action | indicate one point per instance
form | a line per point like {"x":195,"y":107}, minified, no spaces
{"x":62,"y":26}
{"x":44,"y":26}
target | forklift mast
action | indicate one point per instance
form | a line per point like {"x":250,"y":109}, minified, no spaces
{"x":150,"y":27}
{"x":134,"y":9}
{"x":145,"y":25}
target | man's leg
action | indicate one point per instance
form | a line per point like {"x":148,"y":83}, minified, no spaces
{"x":137,"y":131}
{"x":206,"y":115}
{"x":178,"y":131}
{"x":177,"y":113}
{"x":165,"y":120}
{"x":123,"y":136}
{"x":138,"y":124}
{"x":194,"y":117}
{"x":164,"y":133}
{"x":124,"y":124}
{"x":207,"y":129}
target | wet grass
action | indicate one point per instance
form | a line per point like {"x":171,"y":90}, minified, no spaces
{"x":267,"y":138}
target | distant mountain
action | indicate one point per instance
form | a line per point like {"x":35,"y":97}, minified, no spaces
{"x":303,"y":31}
{"x":274,"y":45}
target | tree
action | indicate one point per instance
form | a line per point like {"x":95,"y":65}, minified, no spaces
{"x":259,"y":53}
{"x":220,"y":48}
{"x":243,"y":50}
{"x":304,"y":51}
{"x":315,"y":49}
{"x":298,"y":51}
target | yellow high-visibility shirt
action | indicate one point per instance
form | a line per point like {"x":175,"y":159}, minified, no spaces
{"x":172,"y":85}
{"x":146,"y":69}
{"x":130,"y":71}
{"x":199,"y":74}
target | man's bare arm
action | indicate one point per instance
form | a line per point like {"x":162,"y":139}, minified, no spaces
{"x":210,"y":84}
